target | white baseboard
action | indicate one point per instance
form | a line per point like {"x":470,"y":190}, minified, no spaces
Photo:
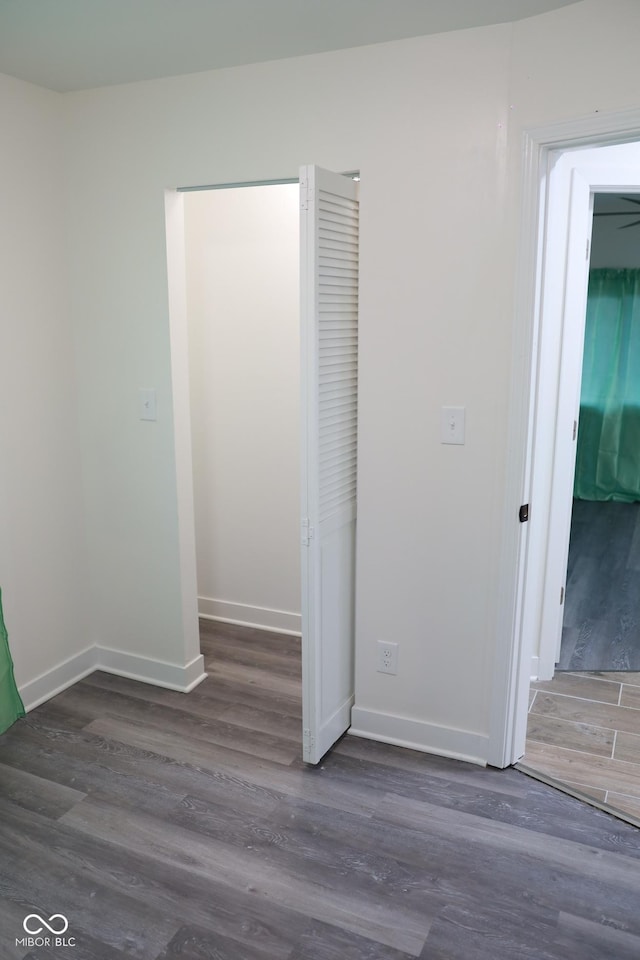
{"x":246,"y":615}
{"x":54,"y":681}
{"x":157,"y":672}
{"x":535,"y":667}
{"x":160,"y":674}
{"x":418,"y":735}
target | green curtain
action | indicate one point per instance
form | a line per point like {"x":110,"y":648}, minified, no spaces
{"x":608,"y":450}
{"x":11,"y":706}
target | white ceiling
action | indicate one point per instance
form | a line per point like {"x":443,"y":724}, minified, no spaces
{"x":77,"y":44}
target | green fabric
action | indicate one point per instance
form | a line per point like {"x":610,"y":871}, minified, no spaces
{"x":11,"y":706}
{"x":608,"y":450}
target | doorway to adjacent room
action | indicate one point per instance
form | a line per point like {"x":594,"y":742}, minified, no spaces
{"x":583,"y":725}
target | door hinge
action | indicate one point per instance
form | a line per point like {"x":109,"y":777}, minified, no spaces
{"x":304,"y":194}
{"x":575,"y":429}
{"x":307,"y":532}
{"x":561,"y":595}
{"x":587,"y":250}
{"x":523,"y":513}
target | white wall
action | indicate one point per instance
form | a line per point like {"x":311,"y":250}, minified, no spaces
{"x":242,"y":257}
{"x":42,"y":557}
{"x":435,"y":126}
{"x":430,"y":142}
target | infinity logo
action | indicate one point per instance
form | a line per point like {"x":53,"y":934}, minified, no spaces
{"x":56,"y":916}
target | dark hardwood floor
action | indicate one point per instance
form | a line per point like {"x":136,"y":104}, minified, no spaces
{"x":163,"y":825}
{"x":601,"y":627}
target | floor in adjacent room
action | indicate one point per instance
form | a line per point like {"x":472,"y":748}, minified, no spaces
{"x":168,"y":825}
{"x":601,"y":626}
{"x":583,"y":728}
{"x":583,"y":731}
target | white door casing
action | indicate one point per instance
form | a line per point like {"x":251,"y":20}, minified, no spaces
{"x":604,"y":151}
{"x":329,"y":377}
{"x":589,"y":175}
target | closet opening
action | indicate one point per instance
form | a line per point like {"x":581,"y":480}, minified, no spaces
{"x":242,"y":264}
{"x":263,"y":298}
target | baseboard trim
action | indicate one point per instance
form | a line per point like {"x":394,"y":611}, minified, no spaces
{"x":246,"y":615}
{"x":54,"y":681}
{"x":157,"y":672}
{"x":418,"y":735}
{"x":70,"y":671}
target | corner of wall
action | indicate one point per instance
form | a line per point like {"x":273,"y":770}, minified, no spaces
{"x":181,"y":677}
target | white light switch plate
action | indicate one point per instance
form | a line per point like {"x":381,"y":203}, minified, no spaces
{"x":452,"y":425}
{"x":147,"y":405}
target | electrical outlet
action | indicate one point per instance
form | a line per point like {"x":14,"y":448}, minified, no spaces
{"x":387,"y":657}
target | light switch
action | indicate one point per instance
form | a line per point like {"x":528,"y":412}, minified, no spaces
{"x":452,"y":425}
{"x":147,"y":403}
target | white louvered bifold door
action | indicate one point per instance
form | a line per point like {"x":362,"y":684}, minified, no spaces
{"x":329,"y":374}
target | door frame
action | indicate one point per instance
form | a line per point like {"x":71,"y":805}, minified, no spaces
{"x":178,"y":332}
{"x":576,"y":178}
{"x":532,"y":421}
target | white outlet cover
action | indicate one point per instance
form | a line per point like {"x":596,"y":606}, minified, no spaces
{"x":387,"y":657}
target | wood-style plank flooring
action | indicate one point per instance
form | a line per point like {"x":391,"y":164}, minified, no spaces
{"x":583,"y":730}
{"x":601,"y":626}
{"x":163,"y":825}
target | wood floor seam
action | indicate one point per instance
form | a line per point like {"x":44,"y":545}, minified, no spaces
{"x":609,"y":676}
{"x":569,"y":751}
{"x":584,"y":753}
{"x":570,"y":696}
{"x":591,"y":676}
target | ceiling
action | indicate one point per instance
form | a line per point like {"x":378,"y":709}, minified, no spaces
{"x":77,"y":44}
